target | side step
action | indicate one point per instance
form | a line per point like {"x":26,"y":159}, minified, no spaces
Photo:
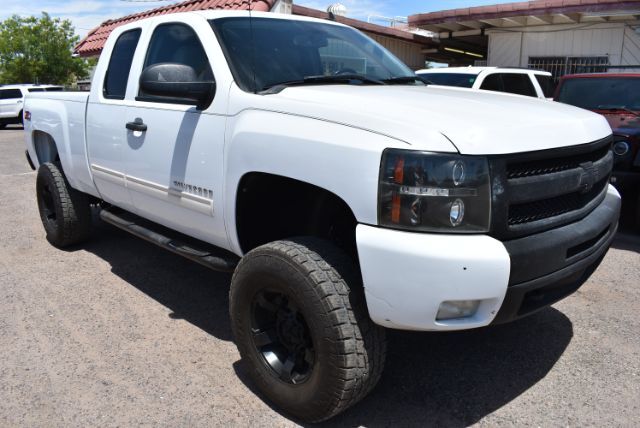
{"x":198,"y":251}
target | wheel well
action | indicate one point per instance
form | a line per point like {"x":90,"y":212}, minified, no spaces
{"x":271,"y":207}
{"x":45,"y":147}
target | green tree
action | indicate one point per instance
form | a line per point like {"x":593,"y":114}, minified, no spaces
{"x":39,"y":50}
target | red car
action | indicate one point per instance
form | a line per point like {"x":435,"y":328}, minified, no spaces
{"x":617,"y":98}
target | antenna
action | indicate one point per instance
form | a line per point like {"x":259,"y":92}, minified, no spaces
{"x":253,"y":48}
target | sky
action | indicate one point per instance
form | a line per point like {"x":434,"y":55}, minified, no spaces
{"x":87,"y":14}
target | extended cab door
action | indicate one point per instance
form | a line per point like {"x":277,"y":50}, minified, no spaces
{"x":106,"y":118}
{"x":174,"y":152}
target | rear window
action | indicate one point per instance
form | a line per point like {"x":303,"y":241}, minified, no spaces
{"x":461,"y":80}
{"x":601,"y":93}
{"x":10,"y":94}
{"x":547,"y":85}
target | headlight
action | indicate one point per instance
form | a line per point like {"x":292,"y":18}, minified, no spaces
{"x":430,"y":192}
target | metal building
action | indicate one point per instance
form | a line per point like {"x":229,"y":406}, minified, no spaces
{"x":560,"y":36}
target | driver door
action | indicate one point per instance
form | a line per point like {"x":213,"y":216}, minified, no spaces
{"x":174,"y":151}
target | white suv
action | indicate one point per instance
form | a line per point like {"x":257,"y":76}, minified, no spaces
{"x":520,"y":81}
{"x":12,"y":98}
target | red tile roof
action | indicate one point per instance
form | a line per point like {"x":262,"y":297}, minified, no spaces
{"x":523,"y":8}
{"x":93,"y":43}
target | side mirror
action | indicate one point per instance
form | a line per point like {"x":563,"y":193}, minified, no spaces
{"x":176,"y":83}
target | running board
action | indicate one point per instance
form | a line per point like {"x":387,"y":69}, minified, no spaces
{"x":200,"y":252}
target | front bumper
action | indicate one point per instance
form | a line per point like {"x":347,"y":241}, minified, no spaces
{"x":408,"y":275}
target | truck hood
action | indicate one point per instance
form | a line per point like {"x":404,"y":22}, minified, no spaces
{"x":446,"y":119}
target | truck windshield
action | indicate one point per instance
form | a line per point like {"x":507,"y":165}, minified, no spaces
{"x":602,"y":93}
{"x":267,"y":52}
{"x":461,"y":80}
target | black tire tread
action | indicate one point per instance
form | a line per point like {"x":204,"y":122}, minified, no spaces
{"x":75,"y":208}
{"x":361,"y":343}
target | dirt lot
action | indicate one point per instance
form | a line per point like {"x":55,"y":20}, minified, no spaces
{"x":120,"y":333}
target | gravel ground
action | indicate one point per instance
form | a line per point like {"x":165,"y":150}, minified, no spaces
{"x":119,"y":333}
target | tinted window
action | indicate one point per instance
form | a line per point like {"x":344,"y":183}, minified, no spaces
{"x":547,"y":85}
{"x":35,"y":89}
{"x":10,"y":94}
{"x":178,"y":44}
{"x":493,"y":82}
{"x":518,"y":84}
{"x":285,"y":50}
{"x":461,"y":80}
{"x":115,"y":83}
{"x":601,"y":93}
{"x":512,"y":83}
{"x":55,"y":89}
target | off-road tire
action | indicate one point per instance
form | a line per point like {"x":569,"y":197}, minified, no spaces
{"x":350,"y":349}
{"x":66,"y":214}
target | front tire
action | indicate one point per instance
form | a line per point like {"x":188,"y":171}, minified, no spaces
{"x":301,"y":326}
{"x":64,"y":211}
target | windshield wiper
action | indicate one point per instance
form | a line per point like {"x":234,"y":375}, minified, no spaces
{"x":406,"y":79}
{"x":345,"y":79}
{"x":614,"y":107}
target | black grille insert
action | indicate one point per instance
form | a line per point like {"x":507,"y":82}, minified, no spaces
{"x":553,"y":207}
{"x":548,"y":166}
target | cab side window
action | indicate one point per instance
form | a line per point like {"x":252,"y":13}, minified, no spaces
{"x":115,"y":82}
{"x":518,"y":84}
{"x":493,"y":82}
{"x":177,"y":44}
{"x":10,"y":94}
{"x":512,"y":83}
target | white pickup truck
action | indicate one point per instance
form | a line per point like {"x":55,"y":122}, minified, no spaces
{"x":345,"y":195}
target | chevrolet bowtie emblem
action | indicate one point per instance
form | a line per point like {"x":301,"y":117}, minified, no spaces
{"x":588,"y":176}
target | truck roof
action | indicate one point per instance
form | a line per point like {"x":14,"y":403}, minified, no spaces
{"x":478,"y":70}
{"x":27,"y":85}
{"x":219,"y":14}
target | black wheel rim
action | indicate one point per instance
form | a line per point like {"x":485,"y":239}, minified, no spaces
{"x":281,"y":336}
{"x":48,"y":207}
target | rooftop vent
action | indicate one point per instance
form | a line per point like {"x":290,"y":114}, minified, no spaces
{"x":337,"y":9}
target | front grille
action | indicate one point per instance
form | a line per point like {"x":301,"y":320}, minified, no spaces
{"x":553,"y":207}
{"x":538,"y":191}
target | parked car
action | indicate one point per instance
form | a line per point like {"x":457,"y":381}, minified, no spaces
{"x":12,"y":99}
{"x":617,"y":98}
{"x":531,"y":83}
{"x":345,"y":195}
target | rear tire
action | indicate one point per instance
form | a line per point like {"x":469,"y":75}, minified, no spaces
{"x":64,"y":211}
{"x":301,"y":326}
{"x":3,"y":125}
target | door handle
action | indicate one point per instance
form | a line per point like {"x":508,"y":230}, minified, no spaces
{"x":138,"y":125}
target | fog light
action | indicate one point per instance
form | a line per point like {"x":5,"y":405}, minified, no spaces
{"x":621,"y":148}
{"x":454,"y":309}
{"x":456,"y":213}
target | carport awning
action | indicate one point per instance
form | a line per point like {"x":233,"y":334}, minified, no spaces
{"x":527,"y":13}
